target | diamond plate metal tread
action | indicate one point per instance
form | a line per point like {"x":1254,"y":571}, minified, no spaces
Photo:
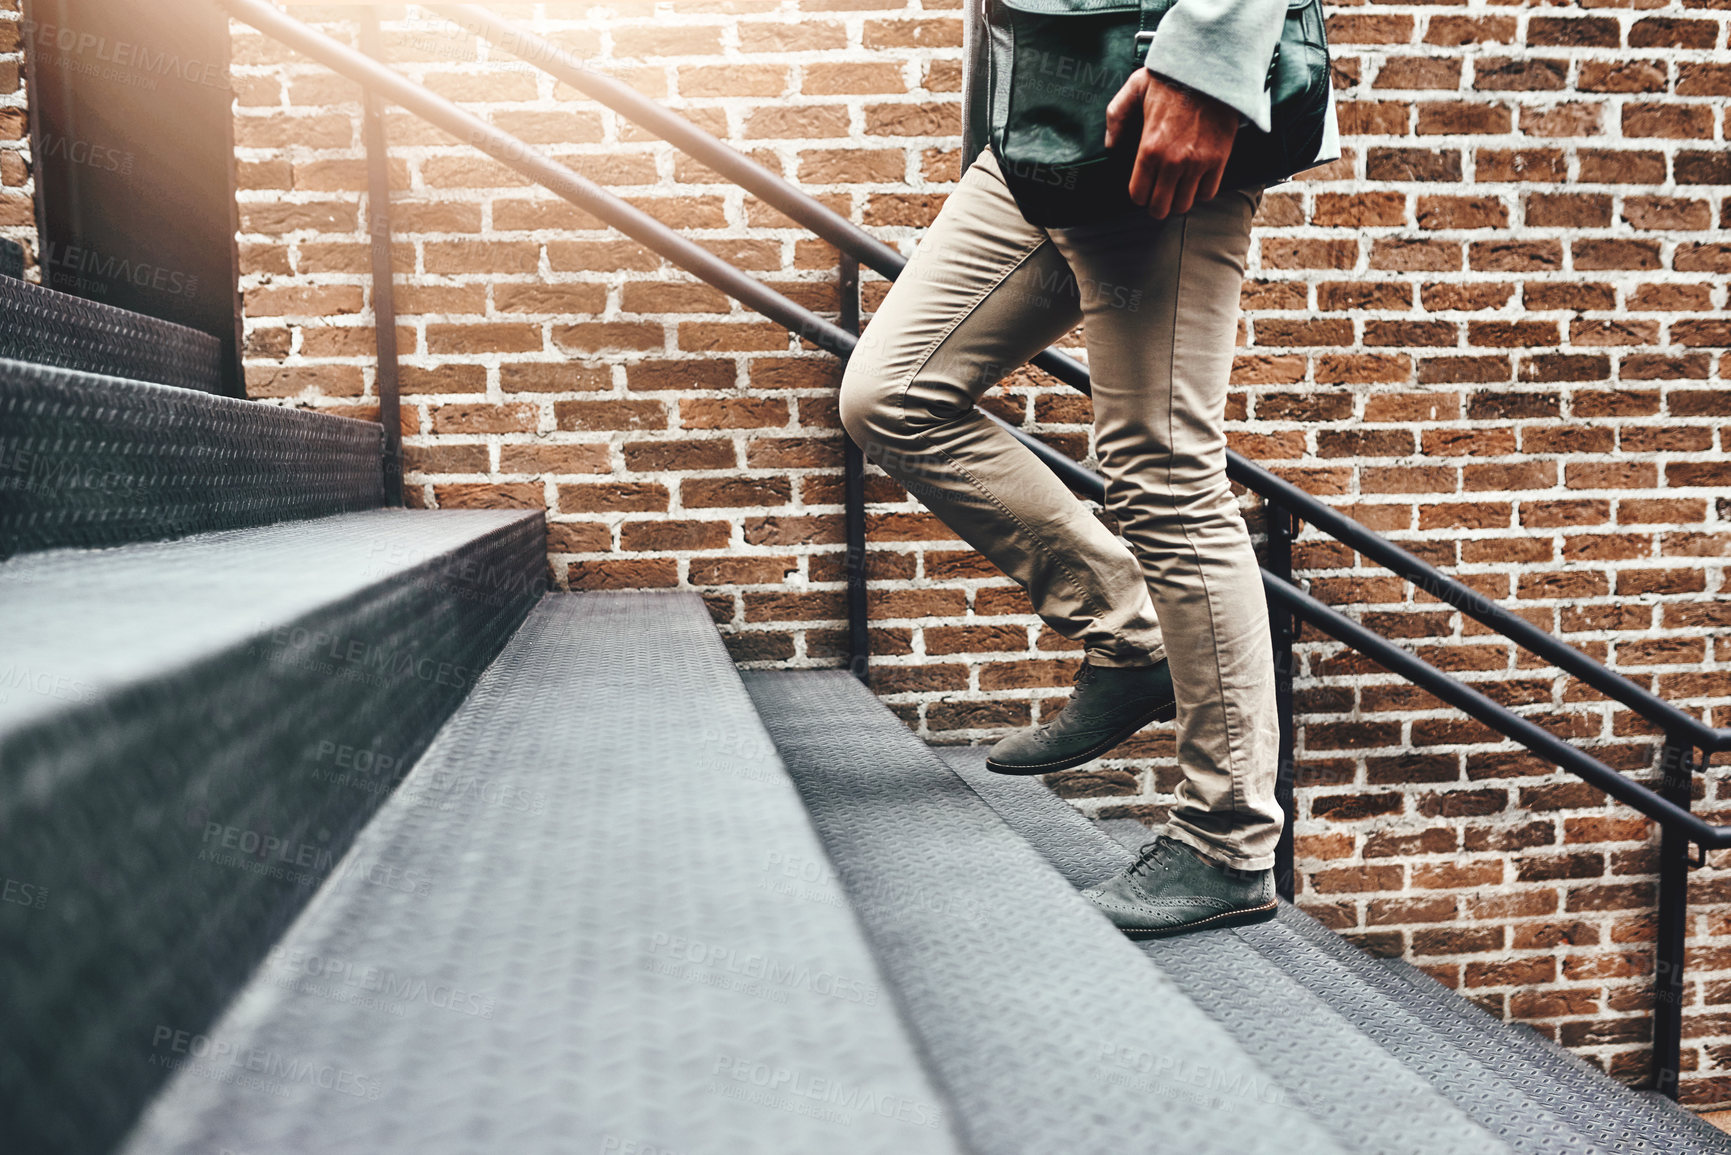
{"x":88,"y":461}
{"x":574,"y":979}
{"x":1127,"y":832}
{"x":1598,"y":1108}
{"x":1364,"y":1096}
{"x":1641,"y":1121}
{"x":1003,"y":970}
{"x":1498,"y":1099}
{"x":1080,"y":851}
{"x":1367,"y":1099}
{"x":49,"y":327}
{"x":190,"y":734}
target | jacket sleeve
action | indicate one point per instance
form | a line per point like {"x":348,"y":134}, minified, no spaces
{"x":1221,"y":48}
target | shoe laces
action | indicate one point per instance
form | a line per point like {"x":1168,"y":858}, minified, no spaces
{"x":1084,"y":675}
{"x":1150,"y":852}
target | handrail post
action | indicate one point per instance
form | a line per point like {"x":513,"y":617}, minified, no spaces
{"x":1282,"y":627}
{"x":384,"y":294}
{"x":1676,"y":778}
{"x":853,"y":465}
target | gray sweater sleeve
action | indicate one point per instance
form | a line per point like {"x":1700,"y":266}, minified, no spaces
{"x":1221,"y":48}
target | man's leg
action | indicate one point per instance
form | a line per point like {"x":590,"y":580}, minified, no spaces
{"x":1160,"y":307}
{"x":984,"y":292}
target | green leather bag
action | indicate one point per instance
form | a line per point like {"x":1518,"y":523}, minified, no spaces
{"x":1056,"y":64}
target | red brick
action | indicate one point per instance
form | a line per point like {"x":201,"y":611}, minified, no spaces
{"x":607,"y":415}
{"x":653,"y":536}
{"x":613,"y":497}
{"x":623,"y":573}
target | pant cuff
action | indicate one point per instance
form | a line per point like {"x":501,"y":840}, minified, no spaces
{"x":1216,"y":853}
{"x":1118,"y":660}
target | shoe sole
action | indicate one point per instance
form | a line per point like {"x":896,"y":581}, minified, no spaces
{"x":1163,"y":713}
{"x":1212,"y":922}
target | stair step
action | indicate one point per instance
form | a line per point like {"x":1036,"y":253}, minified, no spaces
{"x":191,"y":732}
{"x":1502,"y":1101}
{"x":1362,"y":1094}
{"x":1040,"y":1019}
{"x":48,"y":327}
{"x":87,"y":460}
{"x":641,"y":931}
{"x":1323,"y":1061}
{"x":1535,"y":1096}
{"x":1613,"y":1115}
{"x":1083,"y":853}
{"x":1127,"y":832}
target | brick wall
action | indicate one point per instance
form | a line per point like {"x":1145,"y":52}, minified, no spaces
{"x":17,"y":215}
{"x":1494,"y":331}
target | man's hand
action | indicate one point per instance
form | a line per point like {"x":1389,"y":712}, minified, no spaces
{"x":1186,"y":138}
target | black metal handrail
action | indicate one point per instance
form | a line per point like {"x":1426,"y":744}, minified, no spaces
{"x":806,"y":210}
{"x":800,"y":206}
{"x":1669,"y":807}
{"x":1453,"y":592}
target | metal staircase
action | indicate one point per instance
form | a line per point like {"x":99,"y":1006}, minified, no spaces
{"x":326,"y":830}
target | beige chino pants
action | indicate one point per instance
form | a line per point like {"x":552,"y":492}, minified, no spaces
{"x":1158,"y":301}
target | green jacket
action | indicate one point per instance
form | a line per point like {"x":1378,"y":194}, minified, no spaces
{"x":1218,"y":47}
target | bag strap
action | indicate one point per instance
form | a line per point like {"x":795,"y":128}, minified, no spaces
{"x":1149,"y":18}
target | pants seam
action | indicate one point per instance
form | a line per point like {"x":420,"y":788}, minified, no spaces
{"x":1089,"y":602}
{"x":1239,"y":800}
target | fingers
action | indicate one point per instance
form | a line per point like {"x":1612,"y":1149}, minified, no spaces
{"x":1185,"y":142}
{"x":1184,"y":193}
{"x":1165,"y":186}
{"x":1128,"y":97}
{"x":1142,"y":175}
{"x":1210,"y":186}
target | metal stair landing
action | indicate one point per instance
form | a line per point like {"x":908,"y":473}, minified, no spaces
{"x":622,"y":935}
